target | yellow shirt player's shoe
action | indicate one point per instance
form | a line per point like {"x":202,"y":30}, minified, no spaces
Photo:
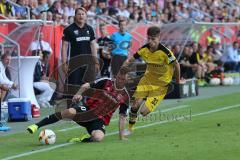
{"x":32,"y":128}
{"x":79,"y":139}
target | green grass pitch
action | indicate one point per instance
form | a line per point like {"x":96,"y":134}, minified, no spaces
{"x":193,"y":129}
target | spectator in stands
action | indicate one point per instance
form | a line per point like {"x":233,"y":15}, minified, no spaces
{"x":21,"y":11}
{"x":70,"y":8}
{"x":50,"y":2}
{"x":64,"y":16}
{"x":217,"y":53}
{"x":200,"y":68}
{"x":71,"y":19}
{"x":200,"y":52}
{"x":184,"y":12}
{"x":101,"y":5}
{"x":2,"y":7}
{"x":153,"y":9}
{"x":49,"y":16}
{"x":42,"y":7}
{"x":57,"y":18}
{"x":4,"y":80}
{"x":122,"y":42}
{"x":67,"y":7}
{"x":5,"y":84}
{"x":94,"y":2}
{"x":32,"y":4}
{"x":85,"y":4}
{"x":176,"y":50}
{"x":208,"y":59}
{"x":56,"y":8}
{"x":173,"y":11}
{"x":212,"y":38}
{"x":148,"y":18}
{"x":104,"y":50}
{"x":122,"y":11}
{"x":91,"y":14}
{"x":6,"y":9}
{"x":186,"y":67}
{"x":113,"y":9}
{"x":134,"y":17}
{"x":104,"y":12}
{"x":39,"y":46}
{"x":165,"y":17}
{"x":231,"y":58}
{"x":41,"y":84}
{"x":175,"y":18}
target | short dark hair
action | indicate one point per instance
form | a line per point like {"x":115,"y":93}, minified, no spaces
{"x":80,"y":8}
{"x":153,"y":31}
{"x":121,"y":21}
{"x":123,"y":70}
{"x":5,"y":55}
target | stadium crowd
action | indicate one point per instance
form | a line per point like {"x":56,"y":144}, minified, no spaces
{"x":195,"y":60}
{"x":155,"y":11}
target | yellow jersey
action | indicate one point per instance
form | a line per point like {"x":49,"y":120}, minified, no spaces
{"x":207,"y":57}
{"x":2,"y":8}
{"x":159,"y":70}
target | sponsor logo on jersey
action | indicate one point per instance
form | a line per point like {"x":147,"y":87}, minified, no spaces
{"x":78,"y":39}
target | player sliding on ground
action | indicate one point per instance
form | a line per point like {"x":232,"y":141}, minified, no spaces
{"x":97,"y":110}
{"x":153,"y":86}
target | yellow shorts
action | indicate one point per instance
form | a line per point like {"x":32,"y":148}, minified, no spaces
{"x":154,"y":94}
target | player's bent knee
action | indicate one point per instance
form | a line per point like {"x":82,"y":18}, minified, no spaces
{"x":69,"y":113}
{"x":97,"y":135}
{"x":144,"y":113}
{"x":136,"y":104}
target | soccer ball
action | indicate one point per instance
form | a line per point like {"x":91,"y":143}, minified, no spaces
{"x":215,"y":81}
{"x":47,"y":136}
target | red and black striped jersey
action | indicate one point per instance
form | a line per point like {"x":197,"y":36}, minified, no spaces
{"x":106,"y":98}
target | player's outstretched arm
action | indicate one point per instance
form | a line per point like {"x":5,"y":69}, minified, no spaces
{"x":78,"y":96}
{"x":64,"y":56}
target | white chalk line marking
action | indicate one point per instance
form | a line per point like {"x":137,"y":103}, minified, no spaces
{"x":116,"y":132}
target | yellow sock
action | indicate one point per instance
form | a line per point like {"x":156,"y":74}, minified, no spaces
{"x":131,"y":127}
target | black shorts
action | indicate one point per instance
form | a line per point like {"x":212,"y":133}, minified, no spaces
{"x":96,"y":124}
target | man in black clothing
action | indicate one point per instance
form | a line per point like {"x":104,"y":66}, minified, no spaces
{"x":79,"y":38}
{"x":104,"y":50}
{"x":188,"y":62}
{"x":41,"y":84}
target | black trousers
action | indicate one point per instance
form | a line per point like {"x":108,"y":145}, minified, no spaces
{"x":116,"y":63}
{"x":81,"y":70}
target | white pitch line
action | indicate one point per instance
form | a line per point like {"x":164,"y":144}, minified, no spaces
{"x":165,"y":110}
{"x":116,"y":132}
{"x":76,"y":127}
{"x":174,"y":108}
